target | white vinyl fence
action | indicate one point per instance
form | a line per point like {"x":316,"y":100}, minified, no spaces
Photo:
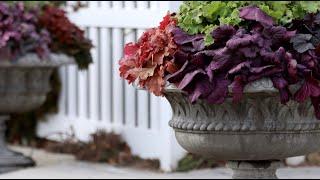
{"x":98,"y":99}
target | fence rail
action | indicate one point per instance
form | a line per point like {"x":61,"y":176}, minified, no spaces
{"x":99,"y":99}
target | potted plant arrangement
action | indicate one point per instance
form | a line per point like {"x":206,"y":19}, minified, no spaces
{"x":242,"y":78}
{"x":34,"y":41}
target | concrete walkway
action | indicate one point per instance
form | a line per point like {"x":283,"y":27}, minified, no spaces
{"x":56,"y":166}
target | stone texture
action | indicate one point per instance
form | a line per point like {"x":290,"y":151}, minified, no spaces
{"x":61,"y":166}
{"x":24,"y":85}
{"x":254,"y":169}
{"x":256,"y":129}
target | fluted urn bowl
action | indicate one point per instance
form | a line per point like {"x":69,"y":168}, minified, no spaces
{"x":24,"y":85}
{"x":252,"y":135}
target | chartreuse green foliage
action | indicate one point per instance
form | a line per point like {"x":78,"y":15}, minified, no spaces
{"x":202,"y":17}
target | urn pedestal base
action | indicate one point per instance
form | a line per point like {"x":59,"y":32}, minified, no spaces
{"x":254,"y":169}
{"x":24,"y":85}
{"x":9,"y":160}
{"x":252,"y":134}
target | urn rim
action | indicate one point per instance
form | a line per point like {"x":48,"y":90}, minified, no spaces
{"x":32,"y":60}
{"x":264,"y":85}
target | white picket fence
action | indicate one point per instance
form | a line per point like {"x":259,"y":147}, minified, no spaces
{"x":98,"y":99}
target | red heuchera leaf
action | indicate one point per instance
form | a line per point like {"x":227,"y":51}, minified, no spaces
{"x":238,"y":88}
{"x":155,"y":82}
{"x":67,"y":37}
{"x":310,"y":88}
{"x":148,"y":60}
{"x":171,"y":67}
{"x":167,"y":20}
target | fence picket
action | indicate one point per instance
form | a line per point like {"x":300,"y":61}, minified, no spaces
{"x":63,"y":95}
{"x":72,"y":99}
{"x":105,"y":5}
{"x":118,"y":96}
{"x":93,"y":77}
{"x":99,"y":99}
{"x":106,"y":77}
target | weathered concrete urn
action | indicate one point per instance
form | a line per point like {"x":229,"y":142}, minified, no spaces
{"x":253,"y":135}
{"x":24,"y":85}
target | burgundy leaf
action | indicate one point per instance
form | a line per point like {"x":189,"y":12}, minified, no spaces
{"x":283,"y":86}
{"x":310,"y":88}
{"x":256,"y":14}
{"x":238,"y":88}
{"x":316,"y":104}
{"x":220,"y":91}
{"x":188,"y":78}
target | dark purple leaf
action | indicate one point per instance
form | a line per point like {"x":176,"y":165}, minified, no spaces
{"x":186,"y":42}
{"x":189,"y":77}
{"x":238,"y":41}
{"x":202,"y":90}
{"x":180,"y":57}
{"x":309,"y":59}
{"x":278,"y":35}
{"x":223,"y":33}
{"x":283,"y":86}
{"x":258,"y":70}
{"x":216,"y":65}
{"x":178,"y":76}
{"x":310,"y":88}
{"x":265,"y":74}
{"x":302,"y":42}
{"x":250,"y":51}
{"x":220,"y":91}
{"x":316,"y":104}
{"x":256,"y":14}
{"x":238,"y":86}
{"x":239,"y":67}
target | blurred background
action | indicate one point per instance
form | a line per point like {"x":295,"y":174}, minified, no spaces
{"x":95,"y":115}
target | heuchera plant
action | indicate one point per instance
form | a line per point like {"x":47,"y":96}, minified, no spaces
{"x":201,"y":16}
{"x":150,"y":59}
{"x":66,"y":36}
{"x":19,"y":32}
{"x":259,"y":46}
{"x":40,"y":30}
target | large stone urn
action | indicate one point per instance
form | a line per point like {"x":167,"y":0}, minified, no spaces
{"x":24,"y":85}
{"x":253,"y":135}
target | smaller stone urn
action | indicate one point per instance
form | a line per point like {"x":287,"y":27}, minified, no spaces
{"x":24,"y":85}
{"x":253,"y":135}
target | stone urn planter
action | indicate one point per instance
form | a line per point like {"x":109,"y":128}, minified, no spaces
{"x":24,"y":85}
{"x":253,"y":135}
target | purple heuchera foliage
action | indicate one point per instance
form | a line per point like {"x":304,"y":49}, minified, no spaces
{"x":256,"y":14}
{"x":19,"y":33}
{"x":240,"y":56}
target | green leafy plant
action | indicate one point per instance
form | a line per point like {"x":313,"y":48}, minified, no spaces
{"x":202,"y":17}
{"x":191,"y":162}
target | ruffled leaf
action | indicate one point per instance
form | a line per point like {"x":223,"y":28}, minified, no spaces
{"x":256,"y":14}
